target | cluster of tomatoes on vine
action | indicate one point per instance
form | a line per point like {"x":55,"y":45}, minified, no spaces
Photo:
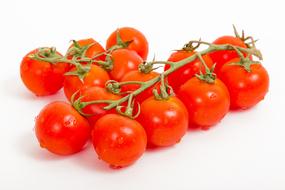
{"x":117,"y":99}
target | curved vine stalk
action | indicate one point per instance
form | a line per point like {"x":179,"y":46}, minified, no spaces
{"x":145,"y":85}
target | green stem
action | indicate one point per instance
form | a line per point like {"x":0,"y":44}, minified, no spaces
{"x":130,"y":82}
{"x":179,"y":64}
{"x":129,"y":109}
{"x":203,"y":62}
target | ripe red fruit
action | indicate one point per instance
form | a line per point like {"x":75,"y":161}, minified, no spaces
{"x":118,"y":140}
{"x":61,"y":129}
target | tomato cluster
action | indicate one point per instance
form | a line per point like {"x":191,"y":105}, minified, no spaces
{"x":116,"y":99}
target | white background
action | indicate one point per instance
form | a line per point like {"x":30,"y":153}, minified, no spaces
{"x":245,"y":151}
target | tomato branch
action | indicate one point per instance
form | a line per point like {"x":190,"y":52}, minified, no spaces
{"x":174,"y":67}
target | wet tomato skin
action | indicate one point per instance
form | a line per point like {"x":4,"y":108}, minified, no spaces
{"x":118,"y":140}
{"x":246,"y":88}
{"x":207,"y":103}
{"x":61,"y":129}
{"x":124,"y":61}
{"x":40,"y":77}
{"x":165,"y":121}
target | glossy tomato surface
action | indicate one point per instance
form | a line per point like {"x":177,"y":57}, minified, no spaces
{"x":118,"y":140}
{"x":61,"y":129}
{"x":207,"y":103}
{"x":246,"y":88}
{"x":124,"y":61}
{"x":40,"y":77}
{"x":165,"y":121}
{"x":138,"y":41}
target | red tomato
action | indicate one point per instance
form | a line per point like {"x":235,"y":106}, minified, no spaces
{"x":96,"y":76}
{"x":96,"y":110}
{"x":124,"y":61}
{"x":181,"y":75}
{"x":93,"y":50}
{"x":40,"y":77}
{"x":118,"y":140}
{"x":142,"y":77}
{"x":138,"y":44}
{"x":207,"y":103}
{"x":246,"y":88}
{"x":165,"y":121}
{"x":223,"y":56}
{"x":61,"y":129}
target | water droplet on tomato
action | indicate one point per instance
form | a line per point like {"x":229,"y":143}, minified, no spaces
{"x":178,"y":141}
{"x":115,"y":167}
{"x":69,"y":122}
{"x":213,"y":96}
{"x":120,"y":140}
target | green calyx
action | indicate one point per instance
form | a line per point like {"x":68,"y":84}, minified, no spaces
{"x":81,"y":71}
{"x":209,"y":76}
{"x":128,"y":111}
{"x":145,"y":67}
{"x":166,"y":91}
{"x":245,"y":63}
{"x":48,"y":54}
{"x":113,"y":86}
{"x":120,"y":43}
{"x":78,"y":51}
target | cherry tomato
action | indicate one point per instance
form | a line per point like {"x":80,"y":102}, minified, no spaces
{"x":207,"y":103}
{"x":246,"y":88}
{"x":223,"y":56}
{"x":118,"y":140}
{"x":139,"y":42}
{"x":92,"y":51}
{"x":61,"y":129}
{"x":181,"y":75}
{"x":41,"y":77}
{"x":124,"y":61}
{"x":165,"y":121}
{"x":96,"y":76}
{"x":96,"y":110}
{"x":142,"y":77}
